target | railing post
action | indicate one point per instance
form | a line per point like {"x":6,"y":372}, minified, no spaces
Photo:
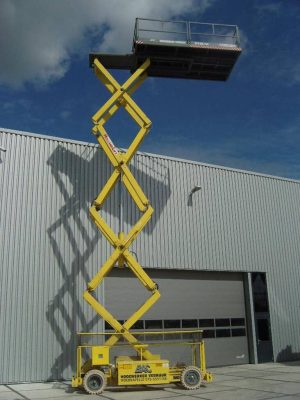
{"x":188,"y":31}
{"x":137,"y":29}
{"x":237,"y":40}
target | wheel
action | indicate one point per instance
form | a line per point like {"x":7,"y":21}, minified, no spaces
{"x":94,"y":381}
{"x":191,"y":378}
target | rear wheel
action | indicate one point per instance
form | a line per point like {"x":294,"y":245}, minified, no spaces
{"x":191,"y":378}
{"x":94,"y":381}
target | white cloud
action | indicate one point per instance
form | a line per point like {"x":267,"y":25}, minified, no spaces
{"x":275,"y":51}
{"x":65,"y":114}
{"x":19,"y":104}
{"x":284,"y":69}
{"x":38,"y":38}
{"x":268,"y":7}
{"x":295,"y":73}
{"x":245,"y":43}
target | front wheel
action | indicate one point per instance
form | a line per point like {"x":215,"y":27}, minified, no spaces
{"x":94,"y":381}
{"x":191,"y":378}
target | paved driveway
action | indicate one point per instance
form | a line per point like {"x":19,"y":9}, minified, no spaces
{"x":263,"y":381}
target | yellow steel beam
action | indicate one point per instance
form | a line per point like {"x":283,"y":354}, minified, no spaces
{"x":103,"y":226}
{"x":139,"y":272}
{"x":120,"y":94}
{"x":136,"y":229}
{"x":105,"y":269}
{"x":202,"y":357}
{"x":135,"y":144}
{"x":100,"y":199}
{"x":114,"y":322}
{"x":142,"y":310}
{"x":121,"y":241}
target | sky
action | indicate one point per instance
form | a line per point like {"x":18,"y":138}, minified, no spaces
{"x":250,"y":122}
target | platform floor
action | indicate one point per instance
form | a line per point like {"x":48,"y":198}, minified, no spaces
{"x":246,"y":382}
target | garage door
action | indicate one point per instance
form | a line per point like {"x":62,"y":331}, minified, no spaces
{"x":211,"y":301}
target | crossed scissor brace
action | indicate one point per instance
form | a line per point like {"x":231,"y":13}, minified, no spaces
{"x":121,"y":255}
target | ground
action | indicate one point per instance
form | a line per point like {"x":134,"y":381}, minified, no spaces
{"x":262,"y":381}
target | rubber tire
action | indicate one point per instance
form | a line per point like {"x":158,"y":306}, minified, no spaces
{"x":189,"y":373}
{"x":100,"y":376}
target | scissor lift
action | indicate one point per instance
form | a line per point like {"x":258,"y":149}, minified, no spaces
{"x":161,"y":49}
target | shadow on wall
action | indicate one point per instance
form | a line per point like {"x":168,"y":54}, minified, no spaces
{"x":287,"y":354}
{"x":87,"y":181}
{"x":79,"y":180}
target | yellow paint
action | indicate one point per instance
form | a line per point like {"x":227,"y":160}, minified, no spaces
{"x":145,"y":368}
{"x":121,"y":255}
{"x":100,"y":355}
{"x":132,"y":371}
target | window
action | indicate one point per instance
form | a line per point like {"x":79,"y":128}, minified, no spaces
{"x":222,"y":333}
{"x":138,"y":325}
{"x":153,"y":324}
{"x":208,"y":333}
{"x":189,"y":323}
{"x":223,"y":322}
{"x":206,"y":323}
{"x":108,"y":326}
{"x":237,"y":321}
{"x":172,"y":323}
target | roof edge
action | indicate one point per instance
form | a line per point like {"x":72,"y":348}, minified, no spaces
{"x":153,"y":155}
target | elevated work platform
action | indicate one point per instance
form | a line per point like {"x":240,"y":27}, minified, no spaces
{"x":179,"y":49}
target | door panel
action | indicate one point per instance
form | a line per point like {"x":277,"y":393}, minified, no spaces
{"x":189,"y":299}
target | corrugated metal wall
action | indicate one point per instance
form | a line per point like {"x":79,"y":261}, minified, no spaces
{"x":48,"y":250}
{"x":238,"y":221}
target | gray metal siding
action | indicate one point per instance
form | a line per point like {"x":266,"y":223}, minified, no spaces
{"x":238,"y":221}
{"x":49,"y":249}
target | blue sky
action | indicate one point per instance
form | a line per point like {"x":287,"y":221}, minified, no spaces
{"x":252,"y":121}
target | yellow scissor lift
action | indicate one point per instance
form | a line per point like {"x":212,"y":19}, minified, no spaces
{"x":207,"y":55}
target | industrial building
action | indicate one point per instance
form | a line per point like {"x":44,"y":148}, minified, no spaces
{"x":222,"y":244}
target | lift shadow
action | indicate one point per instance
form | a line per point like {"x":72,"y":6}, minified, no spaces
{"x":79,"y":179}
{"x":288,"y":356}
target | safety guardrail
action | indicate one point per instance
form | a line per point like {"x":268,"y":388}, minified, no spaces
{"x":185,"y":32}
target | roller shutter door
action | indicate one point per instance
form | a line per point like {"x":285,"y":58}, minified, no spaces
{"x":212,"y":301}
